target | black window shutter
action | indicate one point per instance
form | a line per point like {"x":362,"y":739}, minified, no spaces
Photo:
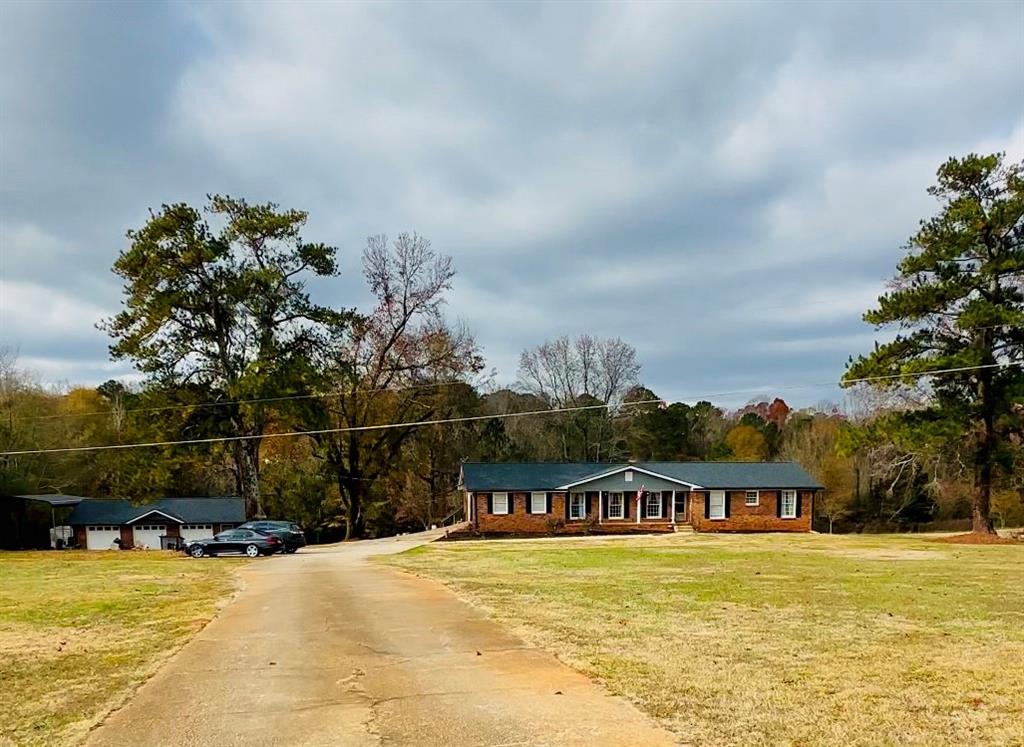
{"x":549,"y":503}
{"x":665,"y":498}
{"x":490,"y":503}
{"x":529,"y":503}
{"x":605,"y":498}
{"x":798,"y":503}
{"x":707,"y":505}
{"x":778,"y":503}
{"x":643,"y":506}
{"x":625,"y":505}
{"x":568,"y":500}
{"x":728,"y":513}
{"x":587,"y":504}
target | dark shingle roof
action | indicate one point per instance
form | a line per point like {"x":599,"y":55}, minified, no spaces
{"x":549,"y":476}
{"x":54,"y":500}
{"x":188,"y":510}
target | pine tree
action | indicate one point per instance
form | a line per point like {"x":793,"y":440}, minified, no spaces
{"x":958,"y":298}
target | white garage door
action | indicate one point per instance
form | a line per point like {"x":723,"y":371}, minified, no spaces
{"x":148,"y":535}
{"x":196,"y":531}
{"x":101,"y":537}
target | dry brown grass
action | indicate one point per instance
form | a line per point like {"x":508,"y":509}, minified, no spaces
{"x":770,"y":639}
{"x":79,"y":631}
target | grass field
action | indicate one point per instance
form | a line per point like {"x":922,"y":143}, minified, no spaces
{"x":79,"y":631}
{"x":771,"y":639}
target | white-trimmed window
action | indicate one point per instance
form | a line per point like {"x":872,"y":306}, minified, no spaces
{"x":717,"y":505}
{"x":753,"y":497}
{"x":105,"y":528}
{"x":578,"y":506}
{"x":629,"y":475}
{"x":538,"y":503}
{"x":615,"y":506}
{"x":788,"y":504}
{"x":653,"y":505}
{"x":197,"y":526}
{"x":499,"y":503}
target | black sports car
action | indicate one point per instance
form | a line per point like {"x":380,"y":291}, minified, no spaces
{"x":287,"y":531}
{"x":244,"y":541}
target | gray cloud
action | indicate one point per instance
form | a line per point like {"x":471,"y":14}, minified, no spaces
{"x":725,"y":186}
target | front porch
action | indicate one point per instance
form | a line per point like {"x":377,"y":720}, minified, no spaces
{"x":630,"y":508}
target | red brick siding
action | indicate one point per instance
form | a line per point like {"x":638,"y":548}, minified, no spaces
{"x":520,"y":522}
{"x":127,"y":536}
{"x":517,"y":520}
{"x":80,"y":536}
{"x":760,"y":518}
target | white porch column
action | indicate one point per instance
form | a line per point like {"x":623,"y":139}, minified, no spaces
{"x":673,"y":507}
{"x":638,"y":507}
{"x":600,"y":506}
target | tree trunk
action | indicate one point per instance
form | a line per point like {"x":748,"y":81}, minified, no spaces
{"x":980,"y":520}
{"x":355,"y":521}
{"x":247,"y":468}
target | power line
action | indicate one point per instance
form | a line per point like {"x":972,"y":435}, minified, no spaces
{"x":285,"y":398}
{"x":226,"y":402}
{"x":324,"y":395}
{"x":468,"y":418}
{"x":325,"y":431}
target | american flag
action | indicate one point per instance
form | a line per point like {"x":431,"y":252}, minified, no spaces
{"x":640,"y":493}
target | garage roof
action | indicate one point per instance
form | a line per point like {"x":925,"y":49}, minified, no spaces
{"x":54,"y":500}
{"x":187,"y":510}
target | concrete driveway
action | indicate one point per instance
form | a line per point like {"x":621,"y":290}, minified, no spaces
{"x":323,"y":648}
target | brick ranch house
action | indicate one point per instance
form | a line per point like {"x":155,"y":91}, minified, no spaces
{"x":97,"y":522}
{"x":539,"y":498}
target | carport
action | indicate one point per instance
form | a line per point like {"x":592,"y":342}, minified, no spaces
{"x":27,"y":530}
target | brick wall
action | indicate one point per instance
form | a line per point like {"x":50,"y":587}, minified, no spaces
{"x":761,"y":518}
{"x":518,"y":521}
{"x":127,"y":537}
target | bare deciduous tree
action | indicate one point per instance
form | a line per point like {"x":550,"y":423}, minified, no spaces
{"x":563,"y":371}
{"x":583,"y":371}
{"x":382,"y":367}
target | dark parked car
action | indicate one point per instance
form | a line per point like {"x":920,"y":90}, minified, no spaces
{"x":287,"y":531}
{"x":239,"y":540}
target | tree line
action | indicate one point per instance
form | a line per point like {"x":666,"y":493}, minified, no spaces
{"x":218,"y":319}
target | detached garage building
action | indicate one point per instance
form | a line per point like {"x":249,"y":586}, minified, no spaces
{"x":99,"y":522}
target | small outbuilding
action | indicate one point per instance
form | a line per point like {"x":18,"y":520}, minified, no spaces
{"x":104,"y":524}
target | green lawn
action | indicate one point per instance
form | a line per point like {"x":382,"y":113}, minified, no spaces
{"x":79,"y":631}
{"x":771,"y":639}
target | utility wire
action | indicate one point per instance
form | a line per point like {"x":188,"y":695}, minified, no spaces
{"x":226,"y":402}
{"x":324,"y":395}
{"x":463,"y":419}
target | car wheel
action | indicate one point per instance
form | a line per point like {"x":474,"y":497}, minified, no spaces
{"x":196,"y":551}
{"x":252,"y":551}
{"x":290,"y":550}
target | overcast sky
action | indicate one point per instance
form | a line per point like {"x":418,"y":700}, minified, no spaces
{"x":725,"y":186}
